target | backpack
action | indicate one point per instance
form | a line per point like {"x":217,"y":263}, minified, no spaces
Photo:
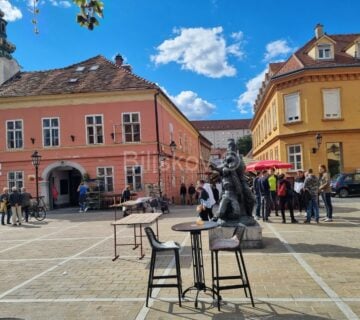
{"x":282,"y":190}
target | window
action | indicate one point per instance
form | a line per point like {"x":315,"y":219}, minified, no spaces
{"x":292,"y":107}
{"x":271,"y":154}
{"x":94,"y":129}
{"x":274,"y":115}
{"x":331,"y":99}
{"x":14,"y":134}
{"x":295,"y":156}
{"x":50,"y":132}
{"x":131,"y":127}
{"x":269,"y":121}
{"x":171,"y":130}
{"x":134,"y":177}
{"x":105,"y":175}
{"x":324,"y":51}
{"x":276,"y":153}
{"x":15,"y":179}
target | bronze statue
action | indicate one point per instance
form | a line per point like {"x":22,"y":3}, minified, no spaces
{"x":237,"y":201}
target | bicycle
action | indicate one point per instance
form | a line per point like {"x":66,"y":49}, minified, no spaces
{"x":38,"y":209}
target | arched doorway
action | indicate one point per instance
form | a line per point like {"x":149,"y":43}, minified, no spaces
{"x":62,"y":178}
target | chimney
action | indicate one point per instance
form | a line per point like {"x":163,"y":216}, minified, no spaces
{"x":319,"y":31}
{"x":119,"y":60}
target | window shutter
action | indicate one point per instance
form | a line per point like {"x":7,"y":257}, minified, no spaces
{"x":331,"y":103}
{"x":292,"y":107}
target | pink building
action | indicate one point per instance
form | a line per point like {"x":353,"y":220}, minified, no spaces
{"x":94,"y":118}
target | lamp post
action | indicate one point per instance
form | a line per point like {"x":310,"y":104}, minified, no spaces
{"x":318,"y":138}
{"x":35,"y":159}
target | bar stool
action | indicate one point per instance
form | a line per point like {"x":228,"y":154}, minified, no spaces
{"x":233,"y":245}
{"x":157,"y":246}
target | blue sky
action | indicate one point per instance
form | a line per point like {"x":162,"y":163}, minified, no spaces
{"x":208,"y":55}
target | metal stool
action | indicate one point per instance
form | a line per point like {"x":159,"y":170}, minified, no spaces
{"x":233,"y":244}
{"x":158,"y":246}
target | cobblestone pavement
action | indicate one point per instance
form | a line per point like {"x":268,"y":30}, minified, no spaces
{"x":62,"y":268}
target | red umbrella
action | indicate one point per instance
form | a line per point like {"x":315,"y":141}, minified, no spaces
{"x":267,"y":164}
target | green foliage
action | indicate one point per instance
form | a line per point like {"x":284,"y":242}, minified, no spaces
{"x":88,"y":10}
{"x":244,"y":144}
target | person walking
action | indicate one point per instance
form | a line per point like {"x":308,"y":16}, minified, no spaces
{"x":191,"y":193}
{"x":265,"y":196}
{"x":325,"y":190}
{"x":257,"y":191}
{"x":15,"y":203}
{"x":285,"y":195}
{"x":299,"y":190}
{"x":82,"y":189}
{"x":125,"y":196}
{"x":4,"y":206}
{"x":183,"y":194}
{"x":25,"y":203}
{"x":311,"y":186}
{"x":273,"y":181}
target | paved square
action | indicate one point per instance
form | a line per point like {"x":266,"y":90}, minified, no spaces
{"x":61,"y":268}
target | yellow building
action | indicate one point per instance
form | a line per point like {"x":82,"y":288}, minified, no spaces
{"x":314,"y":94}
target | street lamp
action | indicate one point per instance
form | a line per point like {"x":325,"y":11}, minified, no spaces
{"x":35,"y":159}
{"x":173,"y":147}
{"x":318,"y":138}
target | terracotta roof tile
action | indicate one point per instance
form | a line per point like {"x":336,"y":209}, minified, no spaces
{"x":207,"y":125}
{"x":107,"y":77}
{"x":300,"y":59}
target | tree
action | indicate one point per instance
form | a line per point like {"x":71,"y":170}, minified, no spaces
{"x":244,"y":144}
{"x":89,"y":9}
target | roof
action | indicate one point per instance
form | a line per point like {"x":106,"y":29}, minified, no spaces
{"x":209,"y":125}
{"x":74,"y":79}
{"x":300,"y":59}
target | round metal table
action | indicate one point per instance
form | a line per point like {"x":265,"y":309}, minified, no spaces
{"x":196,"y":252}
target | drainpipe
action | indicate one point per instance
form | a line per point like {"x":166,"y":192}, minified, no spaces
{"x":158,"y":140}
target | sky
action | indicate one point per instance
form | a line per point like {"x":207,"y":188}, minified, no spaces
{"x":209,"y":56}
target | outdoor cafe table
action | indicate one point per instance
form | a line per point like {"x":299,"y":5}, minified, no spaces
{"x":197,"y":255}
{"x":135,"y":220}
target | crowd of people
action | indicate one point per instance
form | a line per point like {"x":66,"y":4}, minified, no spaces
{"x":14,"y":206}
{"x":276,"y":193}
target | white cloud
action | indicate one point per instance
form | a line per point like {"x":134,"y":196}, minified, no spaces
{"x":201,"y":50}
{"x":277,"y":49}
{"x":61,"y":3}
{"x":247,"y":99}
{"x":238,"y":36}
{"x":12,"y":13}
{"x":191,"y":105}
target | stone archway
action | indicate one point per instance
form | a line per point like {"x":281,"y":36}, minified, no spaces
{"x":48,"y":172}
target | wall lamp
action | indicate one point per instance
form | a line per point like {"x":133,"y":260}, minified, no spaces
{"x":32,"y":140}
{"x":112,"y":135}
{"x":318,"y":139}
{"x":72,"y":138}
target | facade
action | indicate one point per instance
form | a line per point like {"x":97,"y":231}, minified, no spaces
{"x":93,"y":119}
{"x":315,"y":93}
{"x":219,"y":131}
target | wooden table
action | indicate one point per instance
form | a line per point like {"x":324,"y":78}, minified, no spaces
{"x":135,"y":220}
{"x":197,"y":255}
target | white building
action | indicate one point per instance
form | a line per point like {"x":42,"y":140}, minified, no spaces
{"x":219,"y":131}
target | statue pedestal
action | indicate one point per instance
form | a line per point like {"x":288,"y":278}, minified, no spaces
{"x":253,"y":237}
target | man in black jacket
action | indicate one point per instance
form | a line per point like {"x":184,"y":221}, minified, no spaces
{"x":15,"y":203}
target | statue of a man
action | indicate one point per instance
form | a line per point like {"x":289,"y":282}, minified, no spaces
{"x":237,"y":200}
